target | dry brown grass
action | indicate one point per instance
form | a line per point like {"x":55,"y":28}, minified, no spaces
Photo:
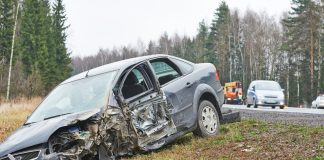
{"x":14,"y":114}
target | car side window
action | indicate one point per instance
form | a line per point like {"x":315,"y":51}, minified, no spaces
{"x":185,"y":67}
{"x":135,"y":83}
{"x":251,"y":85}
{"x":165,"y":70}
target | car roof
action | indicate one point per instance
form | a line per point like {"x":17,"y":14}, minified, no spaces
{"x":119,"y":65}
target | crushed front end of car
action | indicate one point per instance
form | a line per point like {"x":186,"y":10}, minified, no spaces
{"x":105,"y":135}
{"x":109,"y":133}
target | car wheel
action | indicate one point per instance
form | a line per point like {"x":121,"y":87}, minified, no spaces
{"x":273,"y":107}
{"x":207,"y":120}
{"x":282,"y":107}
{"x":248,"y":105}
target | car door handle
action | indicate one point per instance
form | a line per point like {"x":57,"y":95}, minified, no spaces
{"x":189,"y":84}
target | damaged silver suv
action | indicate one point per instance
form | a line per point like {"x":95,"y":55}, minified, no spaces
{"x":122,"y":108}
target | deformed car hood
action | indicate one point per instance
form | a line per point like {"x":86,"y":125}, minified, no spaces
{"x":38,"y":133}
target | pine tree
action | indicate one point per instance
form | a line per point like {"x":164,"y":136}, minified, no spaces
{"x":303,"y":23}
{"x":151,"y":49}
{"x":7,"y":11}
{"x":201,"y":41}
{"x":219,"y":40}
{"x":61,"y":53}
{"x":33,"y":41}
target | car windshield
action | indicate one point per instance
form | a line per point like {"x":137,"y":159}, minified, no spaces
{"x":77,"y":96}
{"x":272,"y":86}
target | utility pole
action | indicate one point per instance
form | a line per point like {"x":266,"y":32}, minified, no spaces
{"x":12,"y":48}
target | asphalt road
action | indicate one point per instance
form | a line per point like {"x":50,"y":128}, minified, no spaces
{"x":288,"y":115}
{"x":277,"y":109}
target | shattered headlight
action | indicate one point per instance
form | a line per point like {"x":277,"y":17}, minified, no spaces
{"x":73,"y":142}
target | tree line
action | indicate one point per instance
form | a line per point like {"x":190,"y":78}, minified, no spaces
{"x":41,"y":59}
{"x":246,"y":47}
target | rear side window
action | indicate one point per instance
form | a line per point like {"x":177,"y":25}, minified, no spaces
{"x":165,"y":70}
{"x":185,"y":67}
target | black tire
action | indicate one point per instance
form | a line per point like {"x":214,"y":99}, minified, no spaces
{"x":255,"y":105}
{"x":282,"y":107}
{"x":206,"y":131}
{"x":273,"y":107}
{"x":248,"y":105}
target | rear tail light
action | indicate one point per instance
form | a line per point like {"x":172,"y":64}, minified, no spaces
{"x":216,"y":74}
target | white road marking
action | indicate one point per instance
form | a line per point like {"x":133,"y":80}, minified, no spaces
{"x":277,"y":109}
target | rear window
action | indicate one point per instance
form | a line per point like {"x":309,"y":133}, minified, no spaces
{"x":185,"y":67}
{"x":165,"y":70}
{"x":161,"y":68}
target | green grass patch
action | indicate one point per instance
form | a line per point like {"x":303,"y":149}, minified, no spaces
{"x":321,"y":143}
{"x":249,"y":139}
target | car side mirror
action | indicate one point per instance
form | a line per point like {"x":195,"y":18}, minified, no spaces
{"x":253,"y":88}
{"x":283,"y":90}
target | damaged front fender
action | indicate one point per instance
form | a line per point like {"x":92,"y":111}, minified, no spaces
{"x":107,"y":131}
{"x":114,"y":132}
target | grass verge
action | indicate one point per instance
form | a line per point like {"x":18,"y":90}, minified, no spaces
{"x":248,"y":139}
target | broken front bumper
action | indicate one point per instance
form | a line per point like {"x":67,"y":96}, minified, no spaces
{"x":34,"y":154}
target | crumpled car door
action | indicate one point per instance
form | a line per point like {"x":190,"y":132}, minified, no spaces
{"x":150,"y":115}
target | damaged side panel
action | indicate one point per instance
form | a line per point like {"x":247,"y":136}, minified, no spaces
{"x":151,"y":120}
{"x":140,"y":126}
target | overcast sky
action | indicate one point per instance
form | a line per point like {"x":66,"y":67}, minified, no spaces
{"x":113,"y":23}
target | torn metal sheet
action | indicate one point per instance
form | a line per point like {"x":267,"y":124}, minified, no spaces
{"x":114,"y":132}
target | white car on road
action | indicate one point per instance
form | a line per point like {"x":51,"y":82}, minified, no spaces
{"x":318,"y":102}
{"x":265,"y":93}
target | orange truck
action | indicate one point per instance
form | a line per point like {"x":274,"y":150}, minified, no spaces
{"x":233,"y":93}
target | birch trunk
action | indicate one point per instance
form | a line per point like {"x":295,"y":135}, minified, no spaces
{"x":11,"y":54}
